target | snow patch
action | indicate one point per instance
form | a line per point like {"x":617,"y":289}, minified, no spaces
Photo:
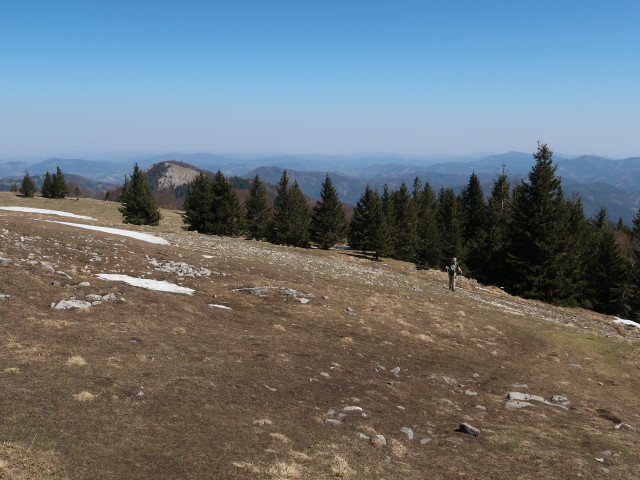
{"x":626,"y":322}
{"x":219,"y":306}
{"x":45,"y":211}
{"x":145,"y":237}
{"x":159,"y":285}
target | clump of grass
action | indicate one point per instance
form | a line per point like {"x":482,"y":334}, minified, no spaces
{"x":340,"y":467}
{"x":280,"y":437}
{"x":262,"y":422}
{"x":77,"y":361}
{"x":347,"y":340}
{"x":299,"y":456}
{"x":179,"y":331}
{"x":248,"y":466}
{"x":84,"y":396}
{"x":284,"y":471}
{"x":325,"y":375}
{"x":398,"y":449}
{"x":12,"y":370}
{"x":279,"y":327}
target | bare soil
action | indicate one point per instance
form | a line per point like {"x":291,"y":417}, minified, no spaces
{"x":158,"y":385}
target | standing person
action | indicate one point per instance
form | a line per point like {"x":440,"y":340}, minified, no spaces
{"x":453,"y":270}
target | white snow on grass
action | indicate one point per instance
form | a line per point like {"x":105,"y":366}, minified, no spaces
{"x":626,"y":322}
{"x":145,"y":237}
{"x":46,"y":212}
{"x":215,"y":305}
{"x":159,"y":285}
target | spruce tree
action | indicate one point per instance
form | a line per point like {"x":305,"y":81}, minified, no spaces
{"x":139,"y":207}
{"x":291,"y":216}
{"x":389,"y":221}
{"x":59,"y":187}
{"x":538,"y":266}
{"x":47,"y":186}
{"x":404,"y":221}
{"x":607,"y":267}
{"x":473,"y":224}
{"x":429,"y":247}
{"x":27,"y":187}
{"x":368,"y":229}
{"x":328,"y":223}
{"x":198,"y":205}
{"x":448,"y":221}
{"x":257,"y":210}
{"x":227,"y":218}
{"x":492,"y":266}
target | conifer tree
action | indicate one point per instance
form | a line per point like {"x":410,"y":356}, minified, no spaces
{"x":538,"y":266}
{"x":198,"y":205}
{"x":139,"y":207}
{"x":258,"y":211}
{"x":59,"y":187}
{"x":291,"y":216}
{"x":492,"y":265}
{"x":473,"y":224}
{"x":404,"y":224}
{"x":429,"y":248}
{"x":125,"y":191}
{"x":227,"y":218}
{"x":389,"y":221}
{"x":27,"y":188}
{"x":47,"y":186}
{"x":368,"y":229}
{"x":328,"y":223}
{"x":606,"y":266}
{"x":448,"y":221}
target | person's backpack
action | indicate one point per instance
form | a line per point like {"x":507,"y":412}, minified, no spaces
{"x":453,"y":269}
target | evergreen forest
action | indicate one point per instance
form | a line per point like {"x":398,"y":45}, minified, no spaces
{"x":527,"y":237}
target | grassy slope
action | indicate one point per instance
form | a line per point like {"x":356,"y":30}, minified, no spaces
{"x":207,"y":411}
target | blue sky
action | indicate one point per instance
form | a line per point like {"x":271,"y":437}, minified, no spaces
{"x":329,"y":76}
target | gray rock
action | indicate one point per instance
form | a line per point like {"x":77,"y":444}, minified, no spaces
{"x":470,"y":392}
{"x":476,"y":375}
{"x":55,"y":283}
{"x":520,"y":385}
{"x":604,"y":469}
{"x":424,"y":441}
{"x":601,"y":460}
{"x":6,"y":260}
{"x":524,"y":397}
{"x":626,"y":426}
{"x":92,"y":297}
{"x":5,"y":297}
{"x":395,"y":371}
{"x":331,"y":411}
{"x":575,"y":365}
{"x":68,"y":304}
{"x":383,"y":440}
{"x":352,"y":408}
{"x":271,"y":389}
{"x":481,"y":407}
{"x":517,"y":404}
{"x":83,"y":284}
{"x":331,"y":421}
{"x":560,"y":399}
{"x":362,"y":436}
{"x":408,"y":431}
{"x":468,"y":429}
{"x":109,"y":297}
{"x":303,"y":300}
{"x":97,"y":302}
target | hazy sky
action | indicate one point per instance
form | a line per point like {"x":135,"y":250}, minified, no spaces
{"x":319,"y":76}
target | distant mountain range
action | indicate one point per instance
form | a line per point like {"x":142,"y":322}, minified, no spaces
{"x":614,"y":184}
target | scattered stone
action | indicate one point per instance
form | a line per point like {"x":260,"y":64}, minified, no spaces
{"x":520,"y":385}
{"x":517,"y":404}
{"x":140,"y":394}
{"x":331,"y":421}
{"x":604,"y":469}
{"x":395,"y":371}
{"x":476,"y":375}
{"x":92,"y":297}
{"x":68,"y":304}
{"x":302,"y":300}
{"x":55,"y":283}
{"x":424,"y":441}
{"x":352,"y":408}
{"x":109,"y":297}
{"x":363,"y":436}
{"x":601,"y":460}
{"x":470,"y":392}
{"x":325,"y":297}
{"x":271,"y":389}
{"x":5,"y":297}
{"x":6,"y":260}
{"x":381,"y":439}
{"x":468,"y":429}
{"x":575,"y":365}
{"x":524,"y":397}
{"x":223,"y":307}
{"x":606,"y":453}
{"x":408,"y":431}
{"x":350,"y":311}
{"x":331,"y":411}
{"x":481,"y":407}
{"x":83,"y":284}
{"x":626,"y":426}
{"x":560,"y":399}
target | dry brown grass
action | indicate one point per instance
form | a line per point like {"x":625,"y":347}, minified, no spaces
{"x":203,"y":371}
